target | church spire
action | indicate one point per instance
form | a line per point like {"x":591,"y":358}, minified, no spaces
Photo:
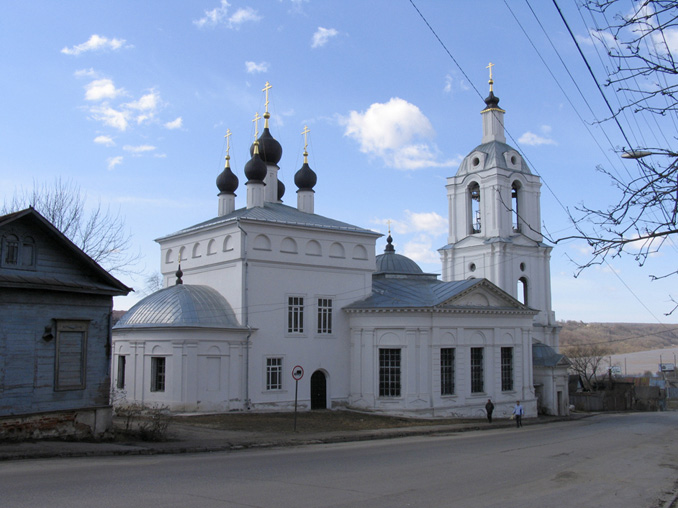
{"x":227,"y":182}
{"x":493,"y":115}
{"x":305,"y":179}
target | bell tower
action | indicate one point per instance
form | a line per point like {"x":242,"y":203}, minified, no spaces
{"x":495,"y":223}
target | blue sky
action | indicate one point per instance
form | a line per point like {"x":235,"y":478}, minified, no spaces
{"x":131,"y":100}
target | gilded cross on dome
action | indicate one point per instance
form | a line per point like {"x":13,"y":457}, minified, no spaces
{"x":266,"y":89}
{"x":305,"y":133}
{"x":491,"y":82}
{"x":256,"y":125}
{"x":228,"y":142}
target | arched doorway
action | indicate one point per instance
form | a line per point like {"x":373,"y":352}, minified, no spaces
{"x":318,"y":390}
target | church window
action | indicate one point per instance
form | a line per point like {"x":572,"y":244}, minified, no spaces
{"x":515,"y":202}
{"x":506,"y":369}
{"x":70,"y":360}
{"x":324,"y":315}
{"x":447,"y":371}
{"x":295,"y":314}
{"x":477,"y":374}
{"x":389,"y":372}
{"x":158,"y":373}
{"x":522,"y":290}
{"x":274,"y":373}
{"x":196,"y":250}
{"x":168,"y":256}
{"x":120,"y":381}
{"x":474,"y":198}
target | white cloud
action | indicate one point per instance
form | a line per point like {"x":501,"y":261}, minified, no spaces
{"x":322,"y":36}
{"x":101,"y":89}
{"x":452,"y":84}
{"x":104,"y":140}
{"x":148,"y":102}
{"x":213,"y":17}
{"x":175,"y":124}
{"x":254,"y":68}
{"x":114,"y":161}
{"x":137,"y":150}
{"x":86,"y":73}
{"x":219,"y":15}
{"x":532,"y":139}
{"x":392,"y":131}
{"x":241,"y":16}
{"x":111,"y":117}
{"x":421,"y":250}
{"x":95,"y":43}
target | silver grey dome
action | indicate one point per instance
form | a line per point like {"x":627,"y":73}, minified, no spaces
{"x":182,"y":305}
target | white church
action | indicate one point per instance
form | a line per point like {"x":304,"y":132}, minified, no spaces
{"x":271,"y":300}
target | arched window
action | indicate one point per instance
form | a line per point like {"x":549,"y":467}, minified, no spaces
{"x":515,"y":202}
{"x":521,"y":293}
{"x":474,"y":199}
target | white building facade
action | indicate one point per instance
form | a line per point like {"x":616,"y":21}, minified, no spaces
{"x":271,"y":287}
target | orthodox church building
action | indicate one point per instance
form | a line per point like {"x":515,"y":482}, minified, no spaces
{"x":270,"y":302}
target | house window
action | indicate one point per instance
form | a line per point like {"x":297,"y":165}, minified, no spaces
{"x":389,"y":372}
{"x":447,"y":371}
{"x":70,"y":358}
{"x":324,"y":315}
{"x":274,"y":373}
{"x":507,"y":369}
{"x":16,"y":253}
{"x":295,"y":314}
{"x":158,"y":374}
{"x":477,"y":374}
{"x":120,"y":381}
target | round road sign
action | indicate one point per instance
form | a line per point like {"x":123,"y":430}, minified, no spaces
{"x":297,"y":372}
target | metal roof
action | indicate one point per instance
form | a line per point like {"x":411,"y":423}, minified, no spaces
{"x":411,"y":293}
{"x":277,"y":213}
{"x":495,"y":151}
{"x":546,"y":356}
{"x":181,"y":305}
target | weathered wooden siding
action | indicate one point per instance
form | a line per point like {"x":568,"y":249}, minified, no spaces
{"x":27,"y":363}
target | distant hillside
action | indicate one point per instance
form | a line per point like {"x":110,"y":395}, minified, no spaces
{"x":619,"y":337}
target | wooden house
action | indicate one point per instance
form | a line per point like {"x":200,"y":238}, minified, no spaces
{"x":55,"y":332}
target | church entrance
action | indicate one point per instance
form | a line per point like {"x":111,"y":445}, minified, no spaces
{"x":318,"y":390}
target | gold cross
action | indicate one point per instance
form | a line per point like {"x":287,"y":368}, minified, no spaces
{"x":491,"y":82}
{"x":266,"y":89}
{"x":228,"y":141}
{"x":256,"y":125}
{"x":305,"y":133}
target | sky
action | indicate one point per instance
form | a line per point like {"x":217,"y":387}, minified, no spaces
{"x":132,"y":100}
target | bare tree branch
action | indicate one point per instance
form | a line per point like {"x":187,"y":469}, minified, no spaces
{"x":100,"y":233}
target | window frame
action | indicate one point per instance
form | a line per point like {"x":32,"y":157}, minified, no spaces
{"x":390,"y":372}
{"x":274,"y":373}
{"x":295,"y":315}
{"x":507,"y":380}
{"x":158,"y":375}
{"x":447,"y":371}
{"x":120,"y":372}
{"x":477,"y":370}
{"x":65,"y":352}
{"x":324,"y":315}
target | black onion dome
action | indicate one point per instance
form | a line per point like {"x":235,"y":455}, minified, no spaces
{"x":269,"y":148}
{"x":492,"y":101}
{"x":281,"y":190}
{"x":305,"y":178}
{"x":255,"y":169}
{"x":226,"y":181}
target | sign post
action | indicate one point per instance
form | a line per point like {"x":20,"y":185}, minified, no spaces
{"x":297,"y":374}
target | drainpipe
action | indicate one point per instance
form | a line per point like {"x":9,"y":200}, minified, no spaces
{"x":246,"y":317}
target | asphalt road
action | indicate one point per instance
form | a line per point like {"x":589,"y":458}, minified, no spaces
{"x":625,"y":460}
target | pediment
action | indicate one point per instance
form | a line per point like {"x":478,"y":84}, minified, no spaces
{"x":483,"y":295}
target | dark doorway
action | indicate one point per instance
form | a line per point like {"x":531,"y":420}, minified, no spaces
{"x":318,"y":390}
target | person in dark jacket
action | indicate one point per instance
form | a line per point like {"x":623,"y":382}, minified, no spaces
{"x":489,"y":407}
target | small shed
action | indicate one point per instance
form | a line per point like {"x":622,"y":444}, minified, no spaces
{"x":55,"y":332}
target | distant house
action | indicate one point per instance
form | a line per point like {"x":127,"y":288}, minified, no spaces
{"x":55,"y":332}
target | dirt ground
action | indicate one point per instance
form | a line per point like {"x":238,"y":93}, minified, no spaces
{"x":308,"y":421}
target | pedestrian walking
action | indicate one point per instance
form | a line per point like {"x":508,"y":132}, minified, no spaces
{"x":489,"y":407}
{"x":518,"y":413}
